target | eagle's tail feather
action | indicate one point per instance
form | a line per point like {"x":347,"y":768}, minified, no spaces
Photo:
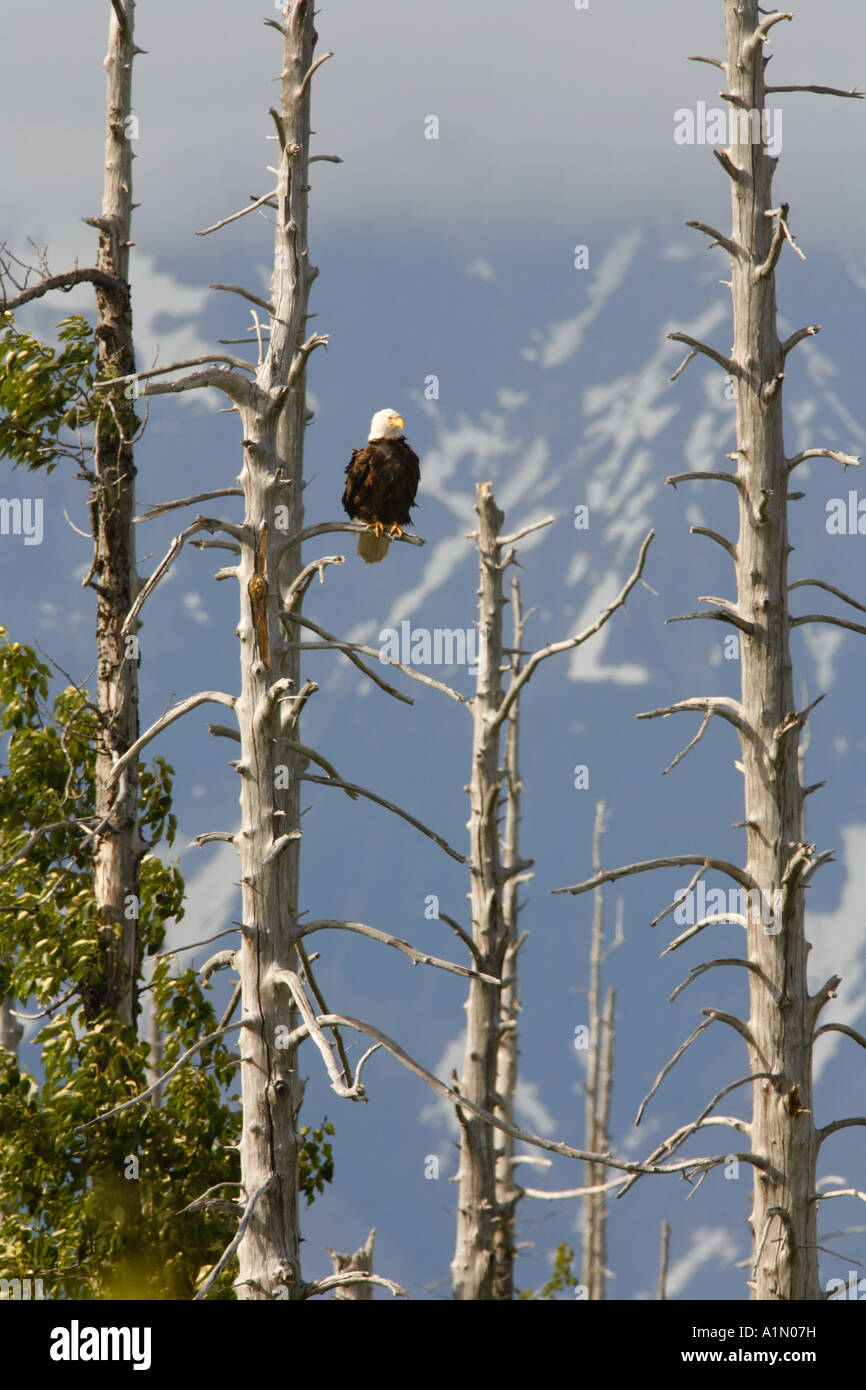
{"x":372,"y":548}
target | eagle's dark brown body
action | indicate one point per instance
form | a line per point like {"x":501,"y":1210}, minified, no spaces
{"x":381,"y":482}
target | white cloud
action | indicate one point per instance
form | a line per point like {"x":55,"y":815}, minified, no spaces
{"x":510,"y":399}
{"x":822,"y":645}
{"x":194,"y":605}
{"x":531,"y":1110}
{"x":481,"y":269}
{"x":676,"y":253}
{"x":438,"y":1112}
{"x":157,"y":295}
{"x":635,"y":1140}
{"x":709,"y":1244}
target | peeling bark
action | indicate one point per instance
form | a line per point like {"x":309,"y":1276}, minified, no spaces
{"x":119,"y":847}
{"x":274,"y":416}
{"x":473,"y":1266}
{"x":781,"y":1015}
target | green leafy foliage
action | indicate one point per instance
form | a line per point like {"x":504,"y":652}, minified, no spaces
{"x":98,"y":1210}
{"x":316,"y":1162}
{"x":562,"y":1278}
{"x":44,"y":391}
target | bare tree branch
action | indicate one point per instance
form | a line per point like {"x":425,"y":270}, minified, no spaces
{"x":238,"y":1237}
{"x":201,"y":523}
{"x":700,"y":476}
{"x":715,"y":536}
{"x":64,"y":283}
{"x":266,"y":197}
{"x":161,"y":508}
{"x":216,"y":697}
{"x":808,"y":332}
{"x":389,"y":806}
{"x":520,"y":680}
{"x":830,"y":588}
{"x":350,"y":649}
{"x":724,"y":241}
{"x":821,"y":91}
{"x":848,"y":460}
{"x":826,"y":618}
{"x":417,"y":957}
{"x":671,"y":861}
{"x":729,"y":366}
{"x":346,"y":1089}
{"x":835,"y":1125}
{"x":245,"y":294}
{"x":840,"y":1028}
{"x":461,"y":1102}
{"x":353,"y":528}
{"x":698,"y":970}
{"x":352,"y":1276}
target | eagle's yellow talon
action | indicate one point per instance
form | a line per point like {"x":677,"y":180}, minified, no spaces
{"x":396,"y":530}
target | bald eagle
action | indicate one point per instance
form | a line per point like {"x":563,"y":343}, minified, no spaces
{"x":381,"y":482}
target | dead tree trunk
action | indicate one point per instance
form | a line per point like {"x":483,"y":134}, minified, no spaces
{"x":599,"y":1082}
{"x":482,"y":1267}
{"x":472,"y":1266}
{"x":507,"y":1192}
{"x":274,"y":421}
{"x":362,"y":1262}
{"x":663,"y":1261}
{"x":781,"y":1027}
{"x":781,"y":1014}
{"x":118,"y":848}
{"x":270,"y":400}
{"x":112,"y":575}
{"x":779,"y":862}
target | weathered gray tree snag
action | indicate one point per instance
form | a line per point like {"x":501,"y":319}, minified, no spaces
{"x":362,"y":1262}
{"x":663,"y":1261}
{"x":274,"y":419}
{"x":118,"y":846}
{"x":507,"y":1191}
{"x":781,"y":1027}
{"x":599,"y":1084}
{"x":270,"y":400}
{"x":477,"y":1214}
{"x":482,"y":1267}
{"x":598,"y":1088}
{"x":782,"y":1013}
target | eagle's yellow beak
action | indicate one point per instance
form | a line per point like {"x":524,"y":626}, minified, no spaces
{"x":398,"y":421}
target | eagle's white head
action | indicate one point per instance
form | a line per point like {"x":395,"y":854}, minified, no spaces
{"x":386,"y":424}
